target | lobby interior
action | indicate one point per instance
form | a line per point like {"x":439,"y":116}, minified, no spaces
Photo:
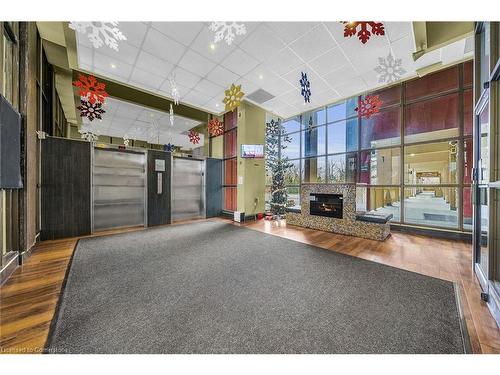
{"x":159,"y":179}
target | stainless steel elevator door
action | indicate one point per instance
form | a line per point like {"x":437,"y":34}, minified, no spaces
{"x":118,"y":189}
{"x":188,"y":189}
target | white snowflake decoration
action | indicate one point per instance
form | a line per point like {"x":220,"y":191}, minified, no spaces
{"x":100,"y":33}
{"x":174,"y":90}
{"x":227,"y":31}
{"x":389,"y":69}
{"x":171,"y":115}
{"x":126,"y":140}
{"x":89,"y":133}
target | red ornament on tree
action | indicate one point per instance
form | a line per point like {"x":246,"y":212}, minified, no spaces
{"x":91,"y":89}
{"x":215,"y":127}
{"x":351,"y":28}
{"x":369,"y":106}
{"x":194,"y":137}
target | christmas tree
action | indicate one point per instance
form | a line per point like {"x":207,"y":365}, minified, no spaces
{"x":276,"y":166}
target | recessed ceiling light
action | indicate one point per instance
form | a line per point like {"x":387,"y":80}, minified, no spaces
{"x":113,"y":65}
{"x":261,"y":76}
{"x":216,"y":104}
{"x":212,"y":46}
{"x":412,"y":154}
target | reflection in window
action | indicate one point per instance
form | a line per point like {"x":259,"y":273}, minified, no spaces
{"x":292,"y":149}
{"x":293,"y":197}
{"x":432,"y":119}
{"x":291,"y":125}
{"x":7,"y":74}
{"x":342,"y":168}
{"x":380,"y":167}
{"x":343,"y":136}
{"x":343,"y":110}
{"x":467,"y":208}
{"x":434,"y":83}
{"x":384,"y":200}
{"x":431,"y":163}
{"x":433,"y":206}
{"x":314,"y":142}
{"x":484,"y":124}
{"x":292,"y":174}
{"x":381,"y":130}
{"x":314,"y":170}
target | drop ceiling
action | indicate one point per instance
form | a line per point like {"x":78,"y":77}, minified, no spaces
{"x":141,"y":123}
{"x":270,"y":56}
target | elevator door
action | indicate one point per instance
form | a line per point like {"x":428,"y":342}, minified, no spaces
{"x":188,"y":189}
{"x":118,"y":188}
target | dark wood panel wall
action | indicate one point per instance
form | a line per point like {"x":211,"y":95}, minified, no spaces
{"x":213,"y":188}
{"x":159,"y":204}
{"x":65,"y":188}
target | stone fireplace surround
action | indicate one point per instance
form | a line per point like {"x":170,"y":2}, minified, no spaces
{"x":348,"y":225}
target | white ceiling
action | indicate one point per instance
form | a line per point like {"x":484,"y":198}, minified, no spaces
{"x":270,"y":56}
{"x":141,"y":123}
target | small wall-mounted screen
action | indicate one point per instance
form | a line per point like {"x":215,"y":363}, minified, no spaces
{"x":252,"y":151}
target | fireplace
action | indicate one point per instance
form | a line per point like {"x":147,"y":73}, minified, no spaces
{"x":329,"y":205}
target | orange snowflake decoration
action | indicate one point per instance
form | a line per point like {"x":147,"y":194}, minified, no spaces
{"x":194,"y":137}
{"x":369,"y":106}
{"x":91,"y":89}
{"x":351,"y":28}
{"x":215,"y":127}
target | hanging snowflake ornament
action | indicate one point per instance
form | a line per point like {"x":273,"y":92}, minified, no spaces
{"x":194,"y":137}
{"x":233,"y":97}
{"x":90,"y":111}
{"x":88,"y":133}
{"x":215,"y":127}
{"x":174,"y":90}
{"x":126,"y":140}
{"x":305,"y":88}
{"x":171,"y":115}
{"x":91,"y":89}
{"x":227,"y":31}
{"x":389,"y":69}
{"x":369,"y":106}
{"x":273,"y":128}
{"x":351,"y":28}
{"x":100,"y":33}
{"x":169,"y":147}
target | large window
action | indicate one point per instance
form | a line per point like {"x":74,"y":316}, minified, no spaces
{"x":413,"y":159}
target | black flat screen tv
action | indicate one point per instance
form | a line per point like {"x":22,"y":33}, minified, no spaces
{"x":252,"y":151}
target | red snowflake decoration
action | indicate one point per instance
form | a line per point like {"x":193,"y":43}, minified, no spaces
{"x":91,"y":111}
{"x":351,"y":28}
{"x":91,"y":89}
{"x":194,"y":137}
{"x":369,"y":106}
{"x":215,"y":127}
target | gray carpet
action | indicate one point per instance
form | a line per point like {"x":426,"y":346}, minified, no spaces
{"x":211,"y":287}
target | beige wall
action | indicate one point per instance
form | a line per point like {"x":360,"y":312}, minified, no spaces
{"x":251,"y":172}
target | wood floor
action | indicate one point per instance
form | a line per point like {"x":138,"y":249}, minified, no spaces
{"x":29,"y":297}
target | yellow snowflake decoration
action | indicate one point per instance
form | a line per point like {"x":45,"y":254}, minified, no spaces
{"x":233,"y":97}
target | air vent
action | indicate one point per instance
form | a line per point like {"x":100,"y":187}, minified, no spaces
{"x":469,"y":44}
{"x":260,"y":96}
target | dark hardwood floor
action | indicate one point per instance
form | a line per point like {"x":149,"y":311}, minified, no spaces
{"x":29,"y":297}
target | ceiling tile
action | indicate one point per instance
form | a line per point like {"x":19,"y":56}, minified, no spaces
{"x":276,"y":86}
{"x":85,"y":55}
{"x":262,"y":51}
{"x":185,"y":78}
{"x":328,"y":62}
{"x":203,"y":42}
{"x":343,"y":74}
{"x":239,"y":62}
{"x":398,"y":30}
{"x":127,"y":53}
{"x":135,"y":32}
{"x":102,"y":63}
{"x":153,"y":64}
{"x":182,"y":32}
{"x":195,"y":63}
{"x":222,"y":76}
{"x":285,"y":61}
{"x":163,"y":47}
{"x":150,"y":80}
{"x":313,"y":44}
{"x":208,"y":88}
{"x":290,"y":31}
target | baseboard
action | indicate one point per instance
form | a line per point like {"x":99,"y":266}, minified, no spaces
{"x":9,"y":268}
{"x":430,"y":232}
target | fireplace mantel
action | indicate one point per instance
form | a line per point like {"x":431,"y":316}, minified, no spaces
{"x":347,"y":225}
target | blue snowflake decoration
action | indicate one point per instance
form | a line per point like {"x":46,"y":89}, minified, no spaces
{"x":305,"y":88}
{"x":169,"y":147}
